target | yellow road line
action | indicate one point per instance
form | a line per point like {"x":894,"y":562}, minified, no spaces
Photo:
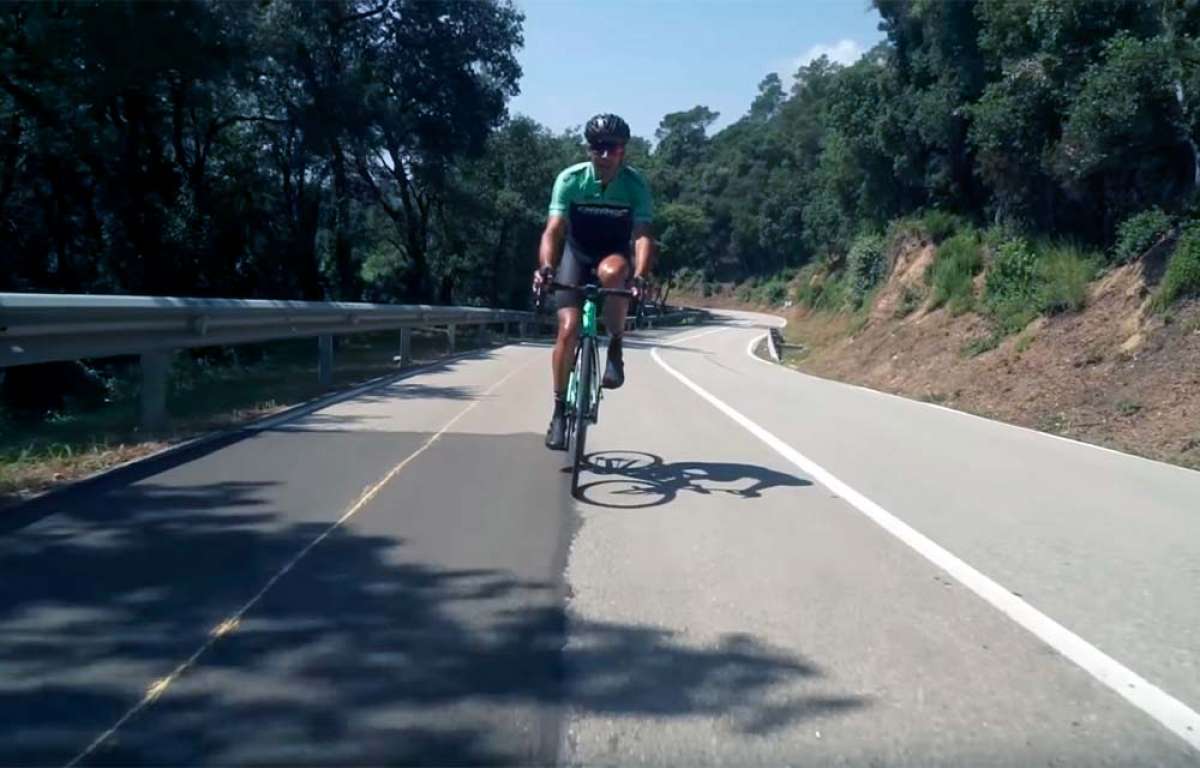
{"x":229,"y":625}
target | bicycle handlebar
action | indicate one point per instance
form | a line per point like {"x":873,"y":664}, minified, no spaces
{"x":590,"y":288}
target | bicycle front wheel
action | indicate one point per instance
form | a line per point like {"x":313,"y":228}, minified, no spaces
{"x":581,"y":407}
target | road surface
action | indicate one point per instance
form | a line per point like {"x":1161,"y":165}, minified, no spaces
{"x":767,"y":568}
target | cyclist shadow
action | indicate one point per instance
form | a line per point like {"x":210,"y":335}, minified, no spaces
{"x":637,"y":480}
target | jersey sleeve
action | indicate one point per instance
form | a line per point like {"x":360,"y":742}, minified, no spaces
{"x":643,"y":204}
{"x":560,"y":196}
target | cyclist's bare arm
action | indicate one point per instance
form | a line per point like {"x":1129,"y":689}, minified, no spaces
{"x":553,"y":237}
{"x":643,"y":250}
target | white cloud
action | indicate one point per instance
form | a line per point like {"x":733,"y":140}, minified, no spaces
{"x":845,"y":51}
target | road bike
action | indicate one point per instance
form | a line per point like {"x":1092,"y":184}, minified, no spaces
{"x":583,"y":387}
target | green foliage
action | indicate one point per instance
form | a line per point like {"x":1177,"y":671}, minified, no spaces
{"x":978,"y":346}
{"x":822,"y":290}
{"x":1128,"y":407}
{"x":246,"y":147}
{"x":1125,"y":110}
{"x":1182,"y":277}
{"x":910,"y":300}
{"x":1138,"y":233}
{"x":1011,"y":286}
{"x":1025,"y":280}
{"x":1064,"y":272}
{"x":684,"y":237}
{"x":952,"y":274}
{"x":866,"y":266}
{"x":940,"y":225}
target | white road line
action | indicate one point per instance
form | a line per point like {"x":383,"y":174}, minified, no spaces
{"x":985,"y":419}
{"x":754,"y":341}
{"x":680,"y":340}
{"x":157,"y":688}
{"x":1167,"y":710}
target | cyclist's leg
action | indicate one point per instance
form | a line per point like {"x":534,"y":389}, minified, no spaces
{"x":574,"y":269}
{"x":564,"y":347}
{"x":571,"y":271}
{"x":614,"y":272}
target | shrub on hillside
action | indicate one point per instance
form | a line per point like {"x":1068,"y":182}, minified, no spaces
{"x":940,"y":225}
{"x":1182,"y":278}
{"x":1138,"y":233}
{"x":934,"y":226}
{"x":773,"y":292}
{"x":745,"y":292}
{"x":821,"y":290}
{"x":1011,"y":286}
{"x":688,"y":280}
{"x":1064,"y":272}
{"x":952,"y":275}
{"x":866,"y":266}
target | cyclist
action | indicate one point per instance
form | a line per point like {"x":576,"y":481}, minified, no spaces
{"x":597,"y":209}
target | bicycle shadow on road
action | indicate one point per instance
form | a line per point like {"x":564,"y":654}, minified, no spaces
{"x":638,"y":480}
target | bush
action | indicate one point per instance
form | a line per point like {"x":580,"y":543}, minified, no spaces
{"x":688,"y":280}
{"x":902,"y":229}
{"x":1138,"y":233}
{"x":1183,"y":270}
{"x":953,"y":272}
{"x":940,"y":225}
{"x":745,"y":291}
{"x":821,"y":291}
{"x":1064,"y":273}
{"x":934,"y":225}
{"x":1011,"y":286}
{"x":909,"y":301}
{"x":773,"y":292}
{"x":866,"y":266}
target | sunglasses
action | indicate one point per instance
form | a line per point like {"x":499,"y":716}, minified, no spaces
{"x":602,"y":147}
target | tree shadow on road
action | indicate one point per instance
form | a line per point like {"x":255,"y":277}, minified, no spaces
{"x":363,"y":652}
{"x":637,"y":480}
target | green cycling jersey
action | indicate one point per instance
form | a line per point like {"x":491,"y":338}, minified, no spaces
{"x":579,"y":184}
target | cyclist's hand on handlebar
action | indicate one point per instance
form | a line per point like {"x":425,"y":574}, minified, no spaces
{"x":542,"y":278}
{"x":639,"y":287}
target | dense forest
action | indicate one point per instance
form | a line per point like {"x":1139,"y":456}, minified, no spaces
{"x":363,"y":150}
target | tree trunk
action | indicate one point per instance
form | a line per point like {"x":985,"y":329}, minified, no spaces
{"x":343,"y":256}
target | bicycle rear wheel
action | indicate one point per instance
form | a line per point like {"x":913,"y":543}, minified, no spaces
{"x":581,"y":407}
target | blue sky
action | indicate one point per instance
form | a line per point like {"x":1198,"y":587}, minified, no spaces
{"x":645,"y":59}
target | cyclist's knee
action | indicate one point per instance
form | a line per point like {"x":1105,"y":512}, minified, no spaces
{"x":613,"y":271}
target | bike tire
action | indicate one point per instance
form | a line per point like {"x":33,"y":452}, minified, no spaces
{"x":581,"y":407}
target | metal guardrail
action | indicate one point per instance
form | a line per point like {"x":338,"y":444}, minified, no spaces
{"x":775,"y":344}
{"x":41,"y":328}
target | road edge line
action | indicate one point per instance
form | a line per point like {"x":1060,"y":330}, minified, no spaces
{"x":1165,"y":709}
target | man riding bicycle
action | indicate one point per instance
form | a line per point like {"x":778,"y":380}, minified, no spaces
{"x":597,"y":209}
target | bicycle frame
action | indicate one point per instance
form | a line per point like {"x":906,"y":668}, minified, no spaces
{"x":589,"y":323}
{"x":583,"y":406}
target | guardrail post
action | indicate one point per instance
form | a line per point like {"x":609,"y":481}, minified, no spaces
{"x":484,"y":337}
{"x":522,"y":329}
{"x":325,"y":360}
{"x":775,"y":344}
{"x":452,"y":337}
{"x":405,"y":347}
{"x":155,"y":366}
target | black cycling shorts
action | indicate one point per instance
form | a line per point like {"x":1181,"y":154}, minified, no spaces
{"x":577,"y":269}
{"x":596,"y":230}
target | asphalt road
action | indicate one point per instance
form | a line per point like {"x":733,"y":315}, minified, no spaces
{"x":766,"y":568}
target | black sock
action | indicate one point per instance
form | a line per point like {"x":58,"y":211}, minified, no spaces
{"x":560,"y":403}
{"x":614,"y":347}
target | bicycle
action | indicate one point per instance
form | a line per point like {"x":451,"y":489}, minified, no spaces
{"x":583,"y":387}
